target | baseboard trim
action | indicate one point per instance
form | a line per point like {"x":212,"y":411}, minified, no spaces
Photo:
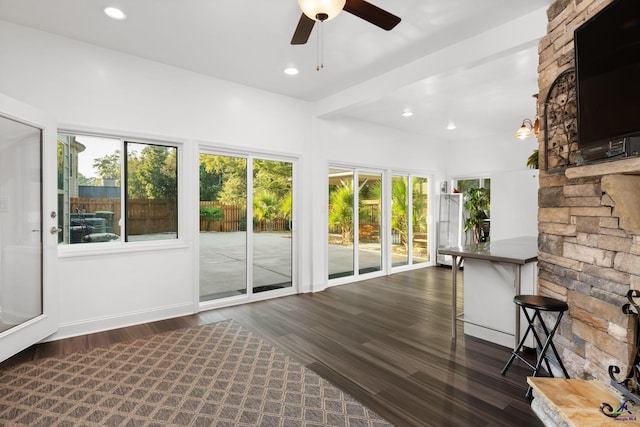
{"x":90,"y":326}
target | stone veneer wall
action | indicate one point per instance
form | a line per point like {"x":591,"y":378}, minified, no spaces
{"x":585,"y":257}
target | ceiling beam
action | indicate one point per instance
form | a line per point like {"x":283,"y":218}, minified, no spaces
{"x":519,"y":34}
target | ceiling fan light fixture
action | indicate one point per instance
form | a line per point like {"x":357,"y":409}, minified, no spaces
{"x":327,"y":9}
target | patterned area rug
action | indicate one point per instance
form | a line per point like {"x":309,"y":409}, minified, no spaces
{"x":213,"y":375}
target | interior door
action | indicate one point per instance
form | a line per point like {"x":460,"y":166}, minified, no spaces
{"x":28,"y":227}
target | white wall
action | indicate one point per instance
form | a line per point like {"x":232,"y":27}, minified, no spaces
{"x":89,"y":88}
{"x":353,"y":142}
{"x":514,"y":204}
{"x":102,"y":89}
{"x":514,"y":187}
{"x":366,"y":143}
{"x":489,"y":155}
{"x":93,"y":89}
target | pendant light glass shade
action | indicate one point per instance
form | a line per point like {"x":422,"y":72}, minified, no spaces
{"x":526,"y":129}
{"x":312,"y":8}
{"x":524,"y":132}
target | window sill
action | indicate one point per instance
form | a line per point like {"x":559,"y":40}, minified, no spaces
{"x":111,"y":248}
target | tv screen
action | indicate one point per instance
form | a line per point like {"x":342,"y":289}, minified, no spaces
{"x":607,"y":54}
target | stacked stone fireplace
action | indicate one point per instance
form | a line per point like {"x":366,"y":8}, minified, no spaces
{"x":588,"y":223}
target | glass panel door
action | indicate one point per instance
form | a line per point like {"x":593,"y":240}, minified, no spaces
{"x":20,"y":224}
{"x":236,"y":260}
{"x":272,"y":218}
{"x":29,"y":302}
{"x":341,"y":223}
{"x":420,"y":246}
{"x":399,"y":220}
{"x":355,"y":244}
{"x":409,"y":220}
{"x":369,"y":222}
{"x":223,"y":226}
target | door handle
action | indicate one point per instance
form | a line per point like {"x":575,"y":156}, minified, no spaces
{"x":55,"y":230}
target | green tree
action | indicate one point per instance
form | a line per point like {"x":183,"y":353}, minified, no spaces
{"x":466,"y":185}
{"x":341,"y":209}
{"x":419,"y":208}
{"x":273,"y":177}
{"x":210,"y":214}
{"x":286,"y":206}
{"x":400,"y":209}
{"x":233,"y":173}
{"x":210,"y":183}
{"x":83,"y":180}
{"x":108,"y":166}
{"x":532,"y":160}
{"x":152,"y":173}
{"x":265,"y":206}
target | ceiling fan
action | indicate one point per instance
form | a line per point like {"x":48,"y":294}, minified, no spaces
{"x":324,"y":10}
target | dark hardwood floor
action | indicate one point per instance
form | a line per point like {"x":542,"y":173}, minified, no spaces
{"x":386,"y":341}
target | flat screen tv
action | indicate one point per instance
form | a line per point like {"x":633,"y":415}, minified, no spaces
{"x":607,"y":55}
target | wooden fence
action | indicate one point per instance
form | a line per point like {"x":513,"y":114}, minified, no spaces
{"x":234,"y":218}
{"x":145,"y":216}
{"x":148,"y":216}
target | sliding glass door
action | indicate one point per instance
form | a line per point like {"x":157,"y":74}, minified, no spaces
{"x":237,"y":260}
{"x":399,"y":220}
{"x":341,"y":223}
{"x":369,"y":222}
{"x":223,"y":226}
{"x":272,"y":219}
{"x":409,"y":220}
{"x":355,"y":245}
{"x":419,"y":220}
{"x":362,"y":239}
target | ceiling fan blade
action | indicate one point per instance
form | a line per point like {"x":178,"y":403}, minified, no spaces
{"x":371,"y":13}
{"x":303,"y":30}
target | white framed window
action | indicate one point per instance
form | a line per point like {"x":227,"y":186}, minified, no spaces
{"x":116,"y":189}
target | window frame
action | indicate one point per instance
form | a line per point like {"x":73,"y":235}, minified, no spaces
{"x":121,"y":245}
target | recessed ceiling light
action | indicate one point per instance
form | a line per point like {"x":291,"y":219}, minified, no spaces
{"x":115,"y":13}
{"x":407,"y":113}
{"x":291,"y":71}
{"x":451,"y":126}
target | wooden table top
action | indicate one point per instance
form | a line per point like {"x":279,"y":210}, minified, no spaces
{"x":518,"y":250}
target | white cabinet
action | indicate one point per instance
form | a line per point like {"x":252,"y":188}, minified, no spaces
{"x":489,"y":288}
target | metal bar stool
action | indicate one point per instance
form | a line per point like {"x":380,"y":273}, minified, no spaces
{"x":538,"y":304}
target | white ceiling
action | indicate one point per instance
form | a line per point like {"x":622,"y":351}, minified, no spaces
{"x":368,"y":73}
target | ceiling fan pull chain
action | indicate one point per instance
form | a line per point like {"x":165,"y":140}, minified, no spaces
{"x":320,"y":63}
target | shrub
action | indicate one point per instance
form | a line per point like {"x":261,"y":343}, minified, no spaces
{"x":211,"y":212}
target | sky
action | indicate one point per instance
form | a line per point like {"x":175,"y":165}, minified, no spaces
{"x":96,"y":147}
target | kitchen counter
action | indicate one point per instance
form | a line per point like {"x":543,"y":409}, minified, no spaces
{"x":520,"y":250}
{"x":494,"y":272}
